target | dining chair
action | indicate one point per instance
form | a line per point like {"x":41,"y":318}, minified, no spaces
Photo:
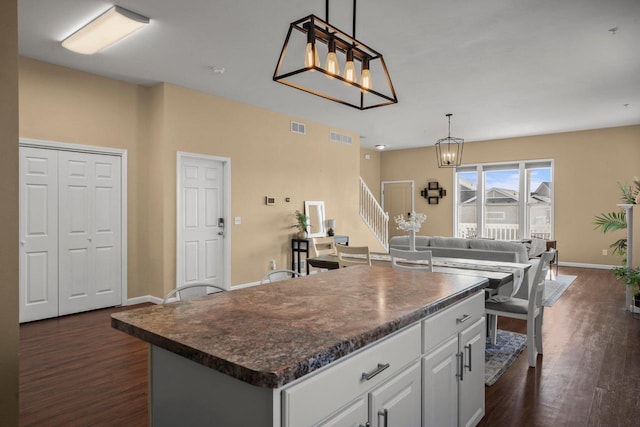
{"x":278,"y":276}
{"x":530,"y":310}
{"x":398,"y":256}
{"x":323,"y":245}
{"x":353,"y":255}
{"x":192,"y":290}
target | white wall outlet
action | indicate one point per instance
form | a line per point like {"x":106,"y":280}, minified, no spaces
{"x":604,"y":252}
{"x":272,"y":264}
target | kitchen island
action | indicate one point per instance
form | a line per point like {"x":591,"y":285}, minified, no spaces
{"x":344,"y":347}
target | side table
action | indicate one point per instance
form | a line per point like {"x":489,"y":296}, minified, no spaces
{"x":299,"y":246}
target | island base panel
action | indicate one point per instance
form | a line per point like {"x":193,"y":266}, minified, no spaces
{"x":184,"y":392}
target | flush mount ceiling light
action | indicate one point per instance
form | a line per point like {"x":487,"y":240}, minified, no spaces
{"x":380,"y":147}
{"x":108,"y":28}
{"x":365,"y":81}
{"x":449,"y":149}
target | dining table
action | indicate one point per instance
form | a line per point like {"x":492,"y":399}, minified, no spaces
{"x":499,"y":274}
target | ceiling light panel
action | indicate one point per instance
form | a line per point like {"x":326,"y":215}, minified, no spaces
{"x":105,"y":30}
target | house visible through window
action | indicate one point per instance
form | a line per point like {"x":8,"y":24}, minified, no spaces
{"x":489,"y":203}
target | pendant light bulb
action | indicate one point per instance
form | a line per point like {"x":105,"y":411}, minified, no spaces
{"x":332,"y":67}
{"x":349,"y":69}
{"x":311,"y":57}
{"x":365,"y":79}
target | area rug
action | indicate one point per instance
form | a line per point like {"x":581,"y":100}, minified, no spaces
{"x":499,"y":357}
{"x":553,"y":289}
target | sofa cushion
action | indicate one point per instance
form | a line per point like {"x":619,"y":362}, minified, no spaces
{"x":449,"y":242}
{"x":500,"y":245}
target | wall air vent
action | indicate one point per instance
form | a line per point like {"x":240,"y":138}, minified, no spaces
{"x":300,"y":128}
{"x":338,"y":137}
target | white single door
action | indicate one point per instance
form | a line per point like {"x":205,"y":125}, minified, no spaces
{"x":440,"y":386}
{"x":472,"y":343}
{"x":38,"y":234}
{"x":201,"y":221}
{"x":90,"y":231}
{"x":397,"y":402}
{"x":398,"y":200}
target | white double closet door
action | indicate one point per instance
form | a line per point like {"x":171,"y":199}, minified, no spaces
{"x":70,"y":232}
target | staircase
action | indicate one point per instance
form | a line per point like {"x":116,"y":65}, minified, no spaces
{"x":372,"y":214}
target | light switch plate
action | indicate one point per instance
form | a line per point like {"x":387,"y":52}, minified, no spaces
{"x":237,"y":220}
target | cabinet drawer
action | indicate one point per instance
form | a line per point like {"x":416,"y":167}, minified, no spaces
{"x":317,"y":397}
{"x":452,"y":320}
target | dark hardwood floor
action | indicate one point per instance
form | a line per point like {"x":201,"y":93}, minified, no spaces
{"x":77,"y":371}
{"x":589,"y":374}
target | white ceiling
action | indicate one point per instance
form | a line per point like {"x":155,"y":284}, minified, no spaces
{"x":504,"y":68}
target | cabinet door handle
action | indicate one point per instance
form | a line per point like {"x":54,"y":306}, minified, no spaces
{"x":365,"y":425}
{"x":459,"y":366}
{"x":469,"y":365}
{"x":463,"y":318}
{"x":385,"y":416}
{"x":381,"y":367}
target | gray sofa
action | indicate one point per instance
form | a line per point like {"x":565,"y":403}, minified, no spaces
{"x":482,"y":249}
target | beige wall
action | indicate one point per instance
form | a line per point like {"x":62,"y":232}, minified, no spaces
{"x":65,"y":105}
{"x":588,"y":167}
{"x":370,"y":170}
{"x":9,"y":213}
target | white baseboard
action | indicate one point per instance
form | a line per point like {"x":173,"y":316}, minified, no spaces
{"x":143,"y":299}
{"x":244,"y":285}
{"x":583,"y":265}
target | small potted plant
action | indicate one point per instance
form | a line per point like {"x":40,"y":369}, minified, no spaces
{"x":631,"y":278}
{"x":302,"y":224}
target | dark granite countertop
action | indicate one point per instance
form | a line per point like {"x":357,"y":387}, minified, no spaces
{"x":272,"y":334}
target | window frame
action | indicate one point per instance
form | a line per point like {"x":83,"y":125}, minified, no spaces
{"x":523,"y":166}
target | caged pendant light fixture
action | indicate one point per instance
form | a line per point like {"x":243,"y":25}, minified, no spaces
{"x":449,"y":149}
{"x":365,"y":82}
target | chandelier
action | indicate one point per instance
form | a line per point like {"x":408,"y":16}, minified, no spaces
{"x":449,"y":149}
{"x":365,"y":81}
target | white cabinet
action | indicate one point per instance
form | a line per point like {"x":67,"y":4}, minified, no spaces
{"x":453,"y":365}
{"x":397,"y":402}
{"x":387,"y":374}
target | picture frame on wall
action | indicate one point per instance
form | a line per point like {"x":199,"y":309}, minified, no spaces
{"x":433,"y":185}
{"x":433,"y":200}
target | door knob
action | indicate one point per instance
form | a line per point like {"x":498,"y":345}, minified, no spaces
{"x":22,"y":242}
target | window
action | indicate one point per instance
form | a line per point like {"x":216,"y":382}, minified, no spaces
{"x":489,"y":203}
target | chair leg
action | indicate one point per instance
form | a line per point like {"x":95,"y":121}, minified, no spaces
{"x":531,"y":343}
{"x":538,"y":330}
{"x":493,"y":327}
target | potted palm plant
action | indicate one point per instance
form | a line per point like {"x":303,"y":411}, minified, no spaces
{"x":302,"y":224}
{"x":631,"y":278}
{"x":614,"y":221}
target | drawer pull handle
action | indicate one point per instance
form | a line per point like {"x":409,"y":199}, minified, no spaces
{"x":463,"y":318}
{"x":381,"y":367}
